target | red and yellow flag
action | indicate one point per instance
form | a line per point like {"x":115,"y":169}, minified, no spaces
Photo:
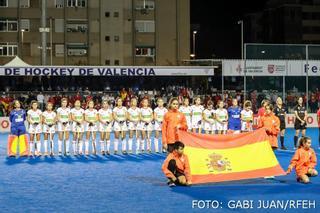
{"x":215,"y":158}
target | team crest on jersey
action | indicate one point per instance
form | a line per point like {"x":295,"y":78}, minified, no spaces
{"x":218,"y":163}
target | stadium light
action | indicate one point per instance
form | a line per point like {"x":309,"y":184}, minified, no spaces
{"x":194,"y":43}
{"x":22,"y":31}
{"x":241,"y":23}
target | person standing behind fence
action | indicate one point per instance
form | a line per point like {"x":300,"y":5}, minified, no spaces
{"x":280,"y":112}
{"x":300,"y":122}
{"x":40,"y":99}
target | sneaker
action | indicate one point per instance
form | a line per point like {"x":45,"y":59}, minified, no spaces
{"x":107,"y":153}
{"x":39,"y":154}
{"x":164,"y":151}
{"x":115,"y":152}
{"x":269,"y":177}
{"x":103,"y":153}
{"x":51,"y":154}
{"x":171,"y":183}
{"x":31,"y":154}
{"x":130,"y":152}
{"x":142,"y":151}
{"x":68,"y":154}
{"x":60,"y":153}
{"x":284,"y":148}
{"x":124,"y":152}
{"x":46,"y":154}
{"x":86,"y":153}
{"x":149,"y":151}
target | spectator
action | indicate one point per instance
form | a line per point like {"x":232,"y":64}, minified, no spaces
{"x":40,"y":99}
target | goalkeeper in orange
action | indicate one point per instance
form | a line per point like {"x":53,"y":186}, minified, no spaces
{"x":176,"y":166}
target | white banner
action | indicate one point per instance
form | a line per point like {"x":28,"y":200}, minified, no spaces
{"x":270,"y":67}
{"x":107,"y":71}
{"x":311,"y":122}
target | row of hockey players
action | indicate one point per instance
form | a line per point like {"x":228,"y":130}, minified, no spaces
{"x":139,"y":122}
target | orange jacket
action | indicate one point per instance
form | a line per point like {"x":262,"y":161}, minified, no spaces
{"x":272,"y":125}
{"x":303,"y":160}
{"x":171,"y":120}
{"x":182,"y":163}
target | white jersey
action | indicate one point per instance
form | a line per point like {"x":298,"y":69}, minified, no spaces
{"x":121,"y":115}
{"x":222,"y":115}
{"x":64,"y":114}
{"x":209,"y":126}
{"x":196,"y":116}
{"x":246,"y":115}
{"x":186,"y":110}
{"x":134,"y":115}
{"x":64,"y":118}
{"x":246,"y":120}
{"x":35,"y":116}
{"x":146,"y":115}
{"x":78,"y":116}
{"x":105,"y":116}
{"x":49,"y":119}
{"x":160,"y":112}
{"x":91,"y":116}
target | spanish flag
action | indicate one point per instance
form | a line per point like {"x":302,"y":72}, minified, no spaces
{"x":216,"y":158}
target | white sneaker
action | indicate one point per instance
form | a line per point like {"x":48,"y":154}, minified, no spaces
{"x":269,"y":177}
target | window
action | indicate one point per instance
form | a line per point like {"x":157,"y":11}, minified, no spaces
{"x":24,"y":3}
{"x":25,"y":25}
{"x":77,"y":49}
{"x":3,"y":3}
{"x":107,"y":62}
{"x":116,"y":62}
{"x":59,"y":50}
{"x":145,"y":51}
{"x":116,"y":38}
{"x":107,"y":38}
{"x":107,"y":14}
{"x":145,"y":4}
{"x":77,"y":28}
{"x":59,"y":25}
{"x":116,"y":14}
{"x":145,"y":26}
{"x":8,"y":26}
{"x":59,"y":3}
{"x":77,"y":3}
{"x":7,"y":49}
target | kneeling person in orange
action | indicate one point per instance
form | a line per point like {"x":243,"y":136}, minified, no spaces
{"x":176,"y":166}
{"x":304,"y":161}
{"x":172,"y":122}
{"x":272,"y":125}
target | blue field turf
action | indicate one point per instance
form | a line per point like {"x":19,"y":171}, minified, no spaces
{"x":133,"y":184}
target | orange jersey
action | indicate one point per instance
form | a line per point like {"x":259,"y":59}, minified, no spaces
{"x":303,"y":160}
{"x":272,"y":124}
{"x":182,"y":163}
{"x":170,"y":123}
